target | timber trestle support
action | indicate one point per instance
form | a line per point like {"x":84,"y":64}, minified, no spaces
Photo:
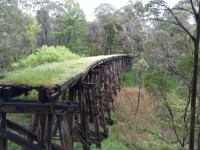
{"x":79,"y":110}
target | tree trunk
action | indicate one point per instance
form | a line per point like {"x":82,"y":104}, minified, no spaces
{"x":138,"y":102}
{"x":194,"y":89}
{"x":104,"y":45}
{"x":46,"y":37}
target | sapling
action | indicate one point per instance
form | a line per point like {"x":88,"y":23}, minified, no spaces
{"x":140,"y":68}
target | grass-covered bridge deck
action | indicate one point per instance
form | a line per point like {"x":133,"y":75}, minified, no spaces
{"x":72,"y":102}
{"x":54,"y":74}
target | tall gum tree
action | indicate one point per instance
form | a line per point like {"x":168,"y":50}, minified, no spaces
{"x":74,"y":27}
{"x":156,"y":9}
{"x":16,"y":37}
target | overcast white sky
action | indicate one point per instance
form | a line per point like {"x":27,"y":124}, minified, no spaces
{"x":89,"y":5}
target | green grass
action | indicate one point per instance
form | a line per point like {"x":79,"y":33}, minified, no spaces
{"x":174,"y":84}
{"x":110,"y":143}
{"x":13,"y":146}
{"x":50,"y":74}
{"x":129,"y":79}
{"x":107,"y":144}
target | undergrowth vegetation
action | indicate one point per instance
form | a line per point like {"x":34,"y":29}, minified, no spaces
{"x":47,"y":55}
{"x":141,"y":131}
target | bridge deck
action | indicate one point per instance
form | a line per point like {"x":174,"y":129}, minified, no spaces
{"x":54,"y":74}
{"x":71,"y":97}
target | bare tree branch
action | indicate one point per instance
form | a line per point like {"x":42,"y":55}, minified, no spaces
{"x":177,"y":20}
{"x":180,"y":24}
{"x":180,"y":8}
{"x":195,"y":12}
{"x":163,"y":20}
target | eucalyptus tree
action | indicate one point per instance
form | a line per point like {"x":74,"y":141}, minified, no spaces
{"x":94,"y":38}
{"x":131,"y":26}
{"x":104,"y":11}
{"x":177,"y":12}
{"x":16,"y":36}
{"x":73,"y":30}
{"x":140,"y":68}
{"x":111,"y":28}
{"x":44,"y":19}
{"x":48,"y":16}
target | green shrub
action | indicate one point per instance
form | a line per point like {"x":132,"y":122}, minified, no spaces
{"x":48,"y":55}
{"x":156,"y":82}
{"x":185,"y":65}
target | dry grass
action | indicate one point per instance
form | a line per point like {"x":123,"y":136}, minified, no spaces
{"x":140,"y":131}
{"x":125,"y":105}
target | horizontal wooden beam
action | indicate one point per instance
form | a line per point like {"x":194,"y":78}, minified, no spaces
{"x":38,"y":108}
{"x":21,"y":130}
{"x":87,"y":85}
{"x":19,"y":140}
{"x":7,"y":93}
{"x":94,"y":72}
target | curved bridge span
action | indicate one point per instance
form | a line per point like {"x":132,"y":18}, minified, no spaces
{"x":76,"y":110}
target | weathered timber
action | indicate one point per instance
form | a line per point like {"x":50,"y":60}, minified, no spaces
{"x":69,"y":106}
{"x":66,"y":138}
{"x":18,"y":140}
{"x":21,"y":130}
{"x":33,"y":126}
{"x":3,"y":140}
{"x":48,"y":132}
{"x":38,"y":108}
{"x":7,"y":93}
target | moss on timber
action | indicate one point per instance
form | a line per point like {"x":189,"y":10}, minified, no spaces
{"x":50,"y":75}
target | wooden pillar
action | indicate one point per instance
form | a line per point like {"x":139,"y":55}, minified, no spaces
{"x":83,"y":116}
{"x":40,"y":130}
{"x":48,"y":132}
{"x":55,"y":128}
{"x":111,"y":99}
{"x":96,"y":103}
{"x":121,"y":71}
{"x":64,"y":131}
{"x":44,"y":127}
{"x":3,"y":141}
{"x":118,"y":74}
{"x":106,"y":92}
{"x":102,"y":115}
{"x":89,"y":92}
{"x":114,"y":77}
{"x":70,"y":117}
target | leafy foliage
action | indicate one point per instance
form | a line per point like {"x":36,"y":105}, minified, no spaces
{"x":139,"y":69}
{"x":17,"y":39}
{"x":111,"y":28}
{"x":156,"y":82}
{"x":73,"y":31}
{"x":185,"y":63}
{"x":49,"y":55}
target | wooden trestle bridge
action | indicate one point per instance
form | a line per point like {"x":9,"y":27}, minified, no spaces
{"x":76,"y":111}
